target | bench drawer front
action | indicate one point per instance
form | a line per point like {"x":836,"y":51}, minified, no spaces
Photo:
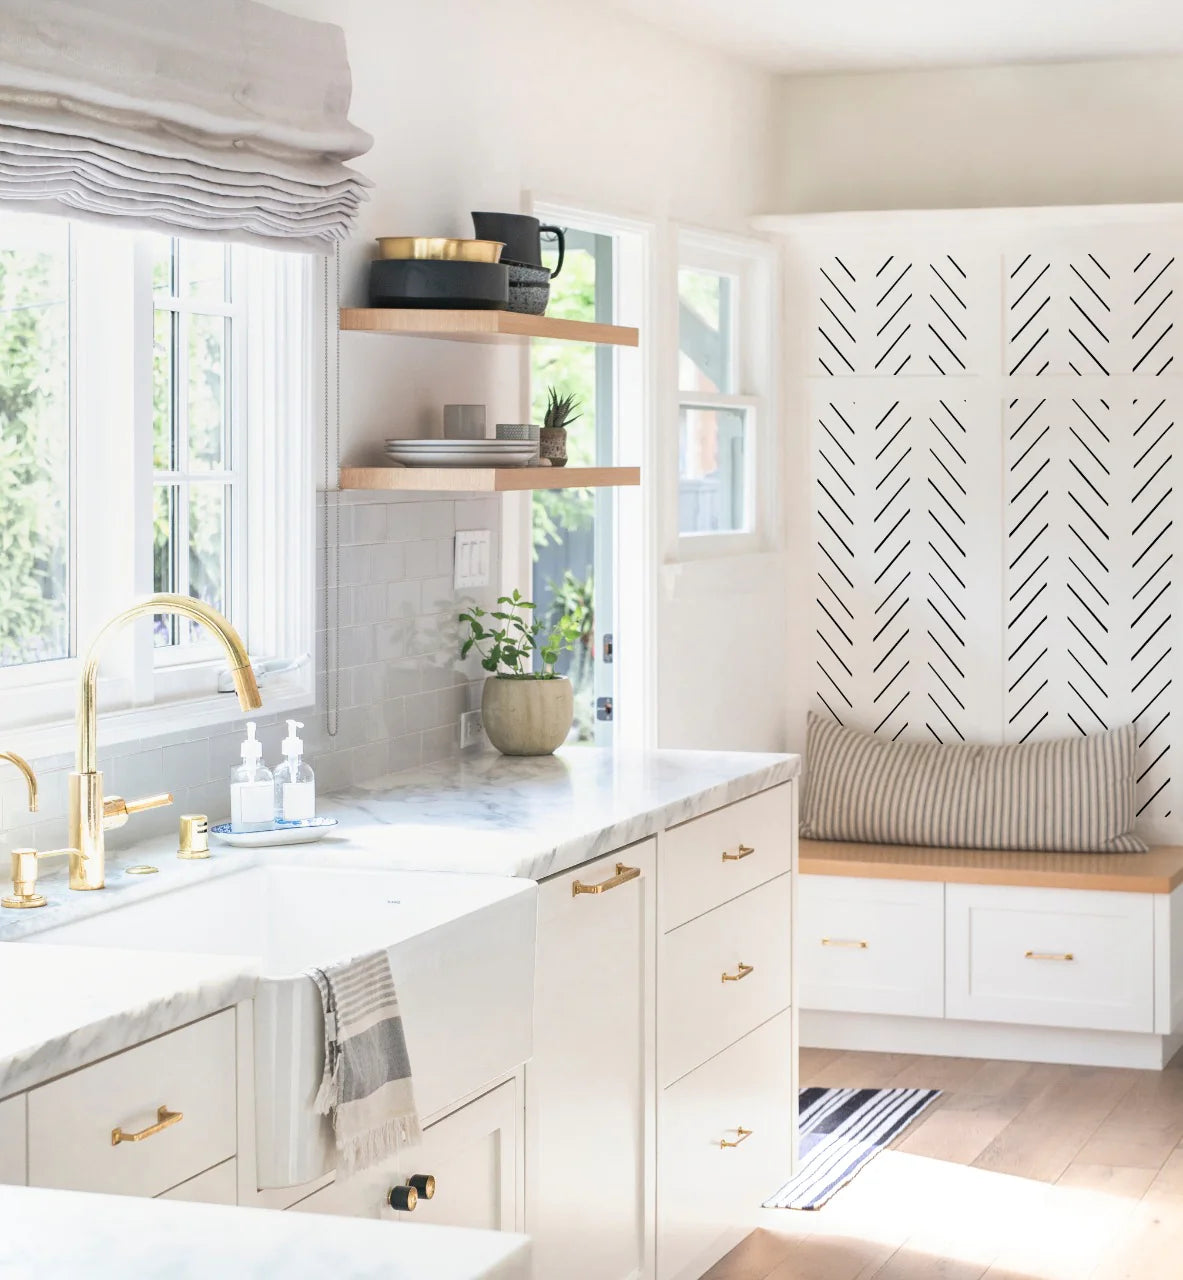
{"x":709,"y":860}
{"x":699,"y":1013}
{"x":191,"y":1071}
{"x":871,"y":946}
{"x":1050,"y":957}
{"x":709,"y":1195}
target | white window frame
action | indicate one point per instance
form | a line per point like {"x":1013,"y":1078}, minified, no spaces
{"x":111,"y":504}
{"x":751,"y":264}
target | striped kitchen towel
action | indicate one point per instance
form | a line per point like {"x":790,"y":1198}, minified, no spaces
{"x":367,"y":1075}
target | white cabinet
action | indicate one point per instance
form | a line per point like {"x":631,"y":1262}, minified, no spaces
{"x":472,"y":1156}
{"x":722,"y":974}
{"x":1050,"y":957}
{"x":218,"y":1185}
{"x":12,"y":1141}
{"x":871,"y":946}
{"x":724,"y":853}
{"x":172,"y":1100}
{"x":724,"y":1134}
{"x":587,"y":1085}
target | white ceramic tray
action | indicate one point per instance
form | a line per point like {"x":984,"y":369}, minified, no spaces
{"x":303,"y":831}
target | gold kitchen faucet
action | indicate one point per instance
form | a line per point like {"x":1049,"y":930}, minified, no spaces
{"x":90,"y":814}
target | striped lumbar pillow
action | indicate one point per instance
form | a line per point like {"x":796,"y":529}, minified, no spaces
{"x":1073,"y":794}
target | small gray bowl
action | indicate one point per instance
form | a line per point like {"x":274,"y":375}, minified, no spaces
{"x":518,"y":431}
{"x":529,"y":288}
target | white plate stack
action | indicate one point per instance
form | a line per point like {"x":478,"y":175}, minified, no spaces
{"x":462,"y":453}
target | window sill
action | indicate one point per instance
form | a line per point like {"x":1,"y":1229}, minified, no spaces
{"x":290,"y":692}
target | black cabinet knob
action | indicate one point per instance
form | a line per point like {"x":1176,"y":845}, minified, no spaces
{"x":403,"y":1197}
{"x":424,"y":1184}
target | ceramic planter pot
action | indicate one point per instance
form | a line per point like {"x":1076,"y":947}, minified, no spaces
{"x":527,"y":717}
{"x":553,"y":445}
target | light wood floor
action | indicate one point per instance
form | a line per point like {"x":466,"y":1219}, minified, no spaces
{"x":1019,"y":1172}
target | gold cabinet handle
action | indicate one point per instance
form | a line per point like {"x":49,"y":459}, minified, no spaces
{"x":859,"y":943}
{"x":165,"y":1119}
{"x":744,"y":851}
{"x":741,"y":973}
{"x":744,"y":1135}
{"x":1048,"y":955}
{"x":623,"y":876}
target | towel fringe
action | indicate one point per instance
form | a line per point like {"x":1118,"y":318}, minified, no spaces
{"x":375,"y":1145}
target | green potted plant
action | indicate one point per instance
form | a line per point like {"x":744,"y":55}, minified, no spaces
{"x":560,"y":413}
{"x":525,"y":712}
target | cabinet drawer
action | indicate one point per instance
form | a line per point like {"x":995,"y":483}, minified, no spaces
{"x":1050,"y":957}
{"x":12,"y":1141}
{"x":708,"y":1195}
{"x":700,"y":1013}
{"x":871,"y":946}
{"x":218,"y":1185}
{"x":709,"y":860}
{"x":190,"y":1071}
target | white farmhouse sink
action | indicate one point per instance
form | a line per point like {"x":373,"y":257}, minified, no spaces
{"x":461,"y":951}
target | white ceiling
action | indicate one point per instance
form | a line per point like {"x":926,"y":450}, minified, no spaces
{"x":864,"y":35}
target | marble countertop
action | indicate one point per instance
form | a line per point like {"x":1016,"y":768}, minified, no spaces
{"x":66,"y":1234}
{"x":489,"y":814}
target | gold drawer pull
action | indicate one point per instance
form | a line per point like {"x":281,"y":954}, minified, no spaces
{"x":623,"y":876}
{"x":741,"y":973}
{"x":165,"y":1119}
{"x":860,"y":943}
{"x":744,"y":1135}
{"x":1049,"y":955}
{"x":744,"y":851}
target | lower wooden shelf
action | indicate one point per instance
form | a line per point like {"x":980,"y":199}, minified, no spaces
{"x":487,"y":479}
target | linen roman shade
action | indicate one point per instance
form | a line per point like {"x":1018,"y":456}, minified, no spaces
{"x":224,"y":118}
{"x":1074,"y":795}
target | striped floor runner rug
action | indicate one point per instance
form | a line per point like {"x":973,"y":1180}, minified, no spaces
{"x":841,"y":1129}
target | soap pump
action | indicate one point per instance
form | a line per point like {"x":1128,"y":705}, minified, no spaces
{"x":295,"y":783}
{"x":252,"y":806}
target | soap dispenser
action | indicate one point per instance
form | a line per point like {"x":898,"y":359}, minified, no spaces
{"x":252,"y":788}
{"x":295,"y":783}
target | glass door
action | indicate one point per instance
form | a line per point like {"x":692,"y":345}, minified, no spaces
{"x":573,"y":529}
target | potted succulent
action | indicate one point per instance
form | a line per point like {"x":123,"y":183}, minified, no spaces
{"x":560,"y":413}
{"x":525,"y":712}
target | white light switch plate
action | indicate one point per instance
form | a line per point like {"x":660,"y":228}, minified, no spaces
{"x":472,"y":558}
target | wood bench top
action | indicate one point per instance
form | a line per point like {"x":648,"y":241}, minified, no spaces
{"x":1158,"y":871}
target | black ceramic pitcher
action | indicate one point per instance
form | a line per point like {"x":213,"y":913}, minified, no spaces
{"x":522,"y":236}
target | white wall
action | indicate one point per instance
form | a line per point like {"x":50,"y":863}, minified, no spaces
{"x":1066,"y":133}
{"x":477,"y":105}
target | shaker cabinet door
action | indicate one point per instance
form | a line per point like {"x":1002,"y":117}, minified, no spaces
{"x":586,"y":1084}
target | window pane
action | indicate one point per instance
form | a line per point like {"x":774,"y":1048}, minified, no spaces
{"x":203,"y":270}
{"x":208,"y":536}
{"x":163,"y":262}
{"x":705,"y":321}
{"x":207,"y":391}
{"x":712,"y":471}
{"x":164,"y":325}
{"x":34,"y":440}
{"x":165,"y":508}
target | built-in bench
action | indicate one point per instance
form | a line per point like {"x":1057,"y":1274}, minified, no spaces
{"x":1057,"y":957}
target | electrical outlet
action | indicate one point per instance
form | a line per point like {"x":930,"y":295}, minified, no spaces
{"x":472,"y":730}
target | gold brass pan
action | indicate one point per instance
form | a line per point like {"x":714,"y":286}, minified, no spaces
{"x":440,"y":247}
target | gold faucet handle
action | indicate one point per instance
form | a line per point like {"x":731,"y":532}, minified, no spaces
{"x":117,"y":810}
{"x":25,"y":866}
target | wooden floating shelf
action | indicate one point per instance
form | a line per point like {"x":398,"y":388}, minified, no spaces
{"x":482,"y":326}
{"x":487,"y":479}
